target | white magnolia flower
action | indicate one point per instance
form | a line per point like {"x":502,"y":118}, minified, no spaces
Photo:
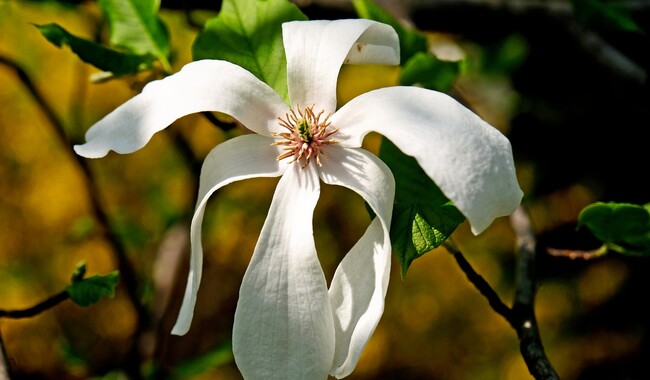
{"x":287,"y":324}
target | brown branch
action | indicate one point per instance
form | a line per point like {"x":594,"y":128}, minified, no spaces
{"x":127,"y":272}
{"x":483,"y":287}
{"x":36,"y":309}
{"x":521,"y":316}
{"x":26,"y":313}
{"x":224,"y":126}
{"x":530,"y":342}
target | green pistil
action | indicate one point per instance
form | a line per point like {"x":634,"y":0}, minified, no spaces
{"x":304,"y":131}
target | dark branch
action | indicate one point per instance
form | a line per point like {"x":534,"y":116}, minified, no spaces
{"x":38,"y":98}
{"x":218,"y":123}
{"x":26,"y":313}
{"x":479,"y":282}
{"x":36,"y":309}
{"x":530,"y":342}
{"x":127,"y":272}
{"x":522,"y":315}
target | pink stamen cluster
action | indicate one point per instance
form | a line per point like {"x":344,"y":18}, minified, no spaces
{"x":306,"y":137}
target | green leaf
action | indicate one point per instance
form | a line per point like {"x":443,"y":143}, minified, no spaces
{"x":623,"y":227}
{"x":90,"y":290}
{"x":428,"y":71}
{"x":423,"y":218}
{"x":100,"y":56}
{"x":134,"y":25}
{"x":410,"y":41}
{"x":249,"y":33}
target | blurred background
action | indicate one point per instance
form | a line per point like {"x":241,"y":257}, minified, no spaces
{"x":568,"y":88}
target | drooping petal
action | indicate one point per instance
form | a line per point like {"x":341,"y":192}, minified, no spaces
{"x":283,"y":323}
{"x":243,"y":157}
{"x":359,"y":285}
{"x":467,"y":158}
{"x":207,"y":85}
{"x":316,"y":50}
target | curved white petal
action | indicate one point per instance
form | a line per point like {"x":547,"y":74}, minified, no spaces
{"x":316,"y":50}
{"x":239,"y":158}
{"x":207,"y":85}
{"x":359,"y":285}
{"x":467,"y":158}
{"x":283,"y":324}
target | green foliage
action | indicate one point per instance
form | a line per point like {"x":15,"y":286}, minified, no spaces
{"x":249,"y":34}
{"x":428,"y":71}
{"x":622,"y":227}
{"x":88,"y":291}
{"x":411,"y":41}
{"x":102,"y":57}
{"x":609,"y":13}
{"x":135,"y":26}
{"x":423,"y":218}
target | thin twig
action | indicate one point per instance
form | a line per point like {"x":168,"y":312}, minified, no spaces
{"x":479,"y":282}
{"x":127,"y":272}
{"x":521,"y":315}
{"x":530,"y":342}
{"x":29,"y":84}
{"x":224,"y":126}
{"x":36,"y":309}
{"x":26,"y":313}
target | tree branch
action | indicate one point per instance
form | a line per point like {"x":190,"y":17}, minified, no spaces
{"x":127,"y":272}
{"x":26,"y":313}
{"x":479,"y":282}
{"x":522,"y":315}
{"x":530,"y":342}
{"x":36,"y":309}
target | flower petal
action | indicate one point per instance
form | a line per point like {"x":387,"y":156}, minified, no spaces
{"x":316,"y":50}
{"x":283,"y":324}
{"x":467,"y":158}
{"x":359,"y":285}
{"x":239,"y":158}
{"x":207,"y":85}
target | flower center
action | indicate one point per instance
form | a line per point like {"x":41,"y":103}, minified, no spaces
{"x":307,"y":135}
